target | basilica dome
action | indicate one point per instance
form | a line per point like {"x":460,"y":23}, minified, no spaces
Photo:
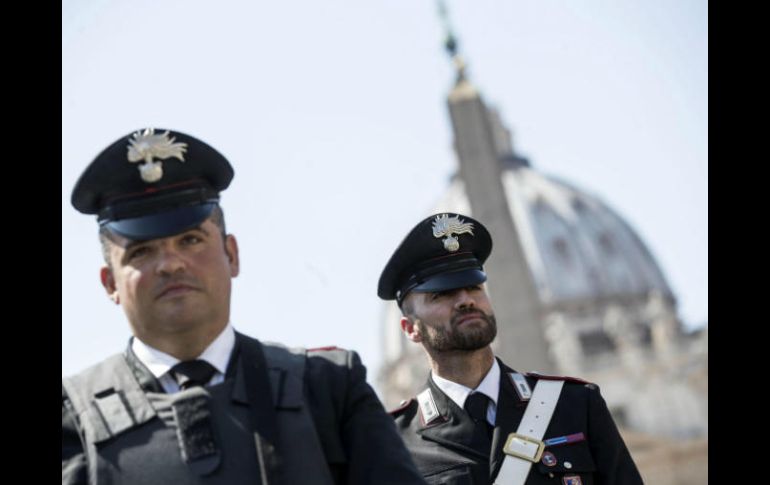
{"x":577,"y":248}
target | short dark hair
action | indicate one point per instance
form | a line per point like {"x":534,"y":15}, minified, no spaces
{"x":406,"y":306}
{"x":217,"y":216}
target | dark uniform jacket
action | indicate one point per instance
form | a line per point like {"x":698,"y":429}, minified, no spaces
{"x":444,"y":453}
{"x":295,"y":417}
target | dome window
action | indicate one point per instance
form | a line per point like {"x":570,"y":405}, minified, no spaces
{"x":596,"y":342}
{"x":607,"y":244}
{"x":578,"y":205}
{"x":561,"y":248}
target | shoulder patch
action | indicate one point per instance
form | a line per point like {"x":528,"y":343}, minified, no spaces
{"x":328,"y":347}
{"x":547,"y":377}
{"x":401,"y":406}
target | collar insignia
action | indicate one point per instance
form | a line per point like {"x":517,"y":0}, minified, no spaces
{"x":428,"y":407}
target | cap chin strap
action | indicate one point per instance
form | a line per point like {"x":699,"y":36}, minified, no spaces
{"x":525,"y":447}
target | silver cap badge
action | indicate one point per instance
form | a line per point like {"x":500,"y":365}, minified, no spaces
{"x":147,"y":145}
{"x":446,"y":226}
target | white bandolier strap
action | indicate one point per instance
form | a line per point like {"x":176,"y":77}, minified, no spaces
{"x":525,"y":446}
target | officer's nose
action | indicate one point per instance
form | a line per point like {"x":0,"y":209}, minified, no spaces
{"x":169,"y":261}
{"x":464,"y":299}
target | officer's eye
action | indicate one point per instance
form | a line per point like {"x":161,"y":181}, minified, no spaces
{"x":437,"y":295}
{"x":138,"y":252}
{"x":191,"y":239}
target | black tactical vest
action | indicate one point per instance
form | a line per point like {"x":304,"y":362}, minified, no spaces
{"x":133,"y":436}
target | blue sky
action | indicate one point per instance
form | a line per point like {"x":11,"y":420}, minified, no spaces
{"x":333,"y":115}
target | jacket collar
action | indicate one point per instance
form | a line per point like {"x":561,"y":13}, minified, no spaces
{"x":489,"y":386}
{"x":145,"y":378}
{"x":454,"y":428}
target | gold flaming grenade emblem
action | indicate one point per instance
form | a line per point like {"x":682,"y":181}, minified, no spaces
{"x":146,"y":145}
{"x":445,"y":226}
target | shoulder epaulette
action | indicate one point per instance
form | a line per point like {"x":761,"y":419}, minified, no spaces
{"x":547,"y":377}
{"x":320,"y":349}
{"x":401,"y":406}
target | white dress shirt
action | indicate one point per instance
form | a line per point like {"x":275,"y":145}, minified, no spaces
{"x":159,"y":363}
{"x":489,"y":386}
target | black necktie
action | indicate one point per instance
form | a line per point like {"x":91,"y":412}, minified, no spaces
{"x":192,"y":373}
{"x":476,"y":405}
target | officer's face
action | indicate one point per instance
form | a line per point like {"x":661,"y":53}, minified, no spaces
{"x":175,"y":285}
{"x":460,"y":319}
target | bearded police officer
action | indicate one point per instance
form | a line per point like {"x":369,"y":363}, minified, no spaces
{"x":191,"y":400}
{"x":477,"y":421}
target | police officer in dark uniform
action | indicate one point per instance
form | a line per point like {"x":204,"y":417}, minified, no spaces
{"x":477,"y":421}
{"x":191,"y":400}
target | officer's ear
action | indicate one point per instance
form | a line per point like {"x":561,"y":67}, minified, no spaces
{"x":108,"y":282}
{"x":231,"y":249}
{"x":411,"y":329}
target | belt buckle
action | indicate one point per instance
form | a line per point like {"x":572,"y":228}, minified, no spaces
{"x":514,"y":437}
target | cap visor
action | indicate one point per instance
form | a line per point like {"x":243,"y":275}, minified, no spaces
{"x":451,"y":281}
{"x":163,"y":224}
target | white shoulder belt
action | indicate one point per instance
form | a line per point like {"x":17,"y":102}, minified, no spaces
{"x":525,"y":446}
